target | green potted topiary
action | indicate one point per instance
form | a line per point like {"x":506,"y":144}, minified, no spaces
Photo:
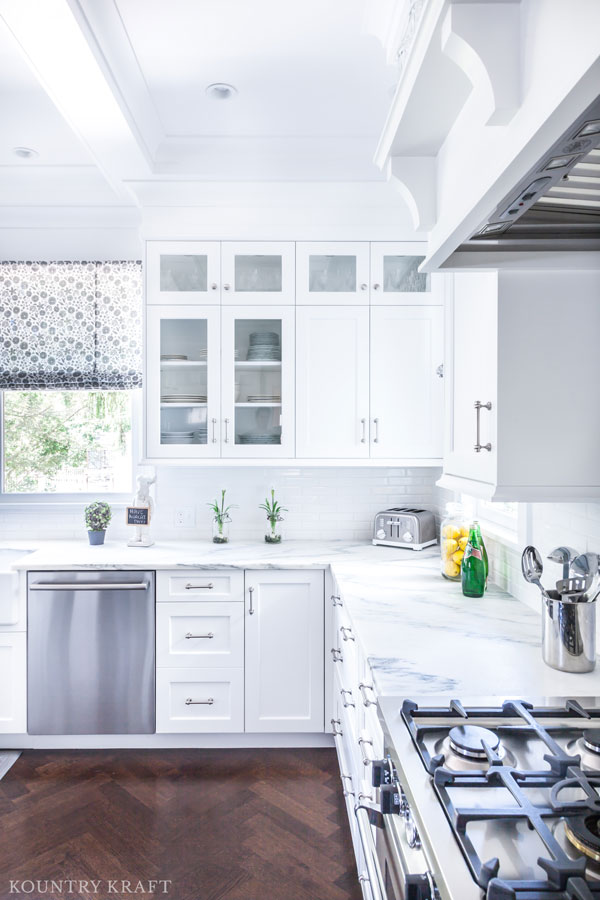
{"x":97,"y":518}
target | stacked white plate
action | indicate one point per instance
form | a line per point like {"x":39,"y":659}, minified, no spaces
{"x":264,"y":398}
{"x":264,"y":346}
{"x":177,"y":437}
{"x":173,"y":357}
{"x":259,"y":438}
{"x":202,"y":355}
{"x":183,"y":398}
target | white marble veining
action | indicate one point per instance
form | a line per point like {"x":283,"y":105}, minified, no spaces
{"x":420,"y":635}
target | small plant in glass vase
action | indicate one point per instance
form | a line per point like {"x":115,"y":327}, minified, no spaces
{"x":97,"y":518}
{"x":221,"y":520}
{"x":274,"y":517}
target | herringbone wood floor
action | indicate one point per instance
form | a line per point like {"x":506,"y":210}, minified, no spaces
{"x":221,"y":824}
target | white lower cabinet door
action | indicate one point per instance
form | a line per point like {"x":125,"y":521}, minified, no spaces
{"x":332,"y":382}
{"x":407,"y":388}
{"x":200,"y":634}
{"x":13,"y":683}
{"x":285,"y":689}
{"x":199,"y":700}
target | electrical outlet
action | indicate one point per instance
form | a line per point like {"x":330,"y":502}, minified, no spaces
{"x":185,"y":517}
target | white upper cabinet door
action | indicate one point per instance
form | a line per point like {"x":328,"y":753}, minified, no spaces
{"x":183,"y":272}
{"x":182,"y":386}
{"x":473,"y":340}
{"x":258,"y":273}
{"x":395,"y":276}
{"x":257,"y":407}
{"x":332,"y":382}
{"x":332,"y":273}
{"x":407,"y":392}
{"x":285,"y":688}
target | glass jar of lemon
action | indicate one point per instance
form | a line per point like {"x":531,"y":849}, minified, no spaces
{"x":454,"y":535}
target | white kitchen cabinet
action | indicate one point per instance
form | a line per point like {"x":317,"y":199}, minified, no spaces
{"x":395,"y":277}
{"x":257,"y":376}
{"x":334,"y":273}
{"x":284,"y":651}
{"x":258,"y":274}
{"x":407,"y":393}
{"x":199,"y":700}
{"x":183,"y":382}
{"x":13,"y":683}
{"x":202,"y":633}
{"x":332,"y":382}
{"x":183,"y":272}
{"x":522,"y":343}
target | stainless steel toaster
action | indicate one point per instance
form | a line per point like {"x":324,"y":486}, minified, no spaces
{"x":403,"y":526}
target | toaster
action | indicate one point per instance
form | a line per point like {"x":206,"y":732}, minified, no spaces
{"x":404,"y":527}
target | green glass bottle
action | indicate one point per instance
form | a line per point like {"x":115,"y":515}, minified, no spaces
{"x":473,"y":566}
{"x":484,"y":552}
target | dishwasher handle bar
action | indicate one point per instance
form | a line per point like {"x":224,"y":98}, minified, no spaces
{"x":89,"y":586}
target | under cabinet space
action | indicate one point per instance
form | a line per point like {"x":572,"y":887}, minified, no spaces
{"x":199,"y":700}
{"x":195,"y":584}
{"x":204,"y":634}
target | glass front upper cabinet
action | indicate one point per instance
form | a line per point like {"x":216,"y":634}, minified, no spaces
{"x":181,"y":272}
{"x":182,"y":382}
{"x":258,"y":273}
{"x":332,"y":273}
{"x":258,"y":382}
{"x":395,"y":276}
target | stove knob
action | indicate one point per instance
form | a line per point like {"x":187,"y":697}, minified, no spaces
{"x":390,"y":799}
{"x":407,"y":537}
{"x":420,"y":887}
{"x":412,"y":835}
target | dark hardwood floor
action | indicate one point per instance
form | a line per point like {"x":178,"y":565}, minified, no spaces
{"x":217,"y":824}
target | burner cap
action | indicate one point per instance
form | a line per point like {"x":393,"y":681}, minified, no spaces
{"x":584,"y":833}
{"x":591,"y":740}
{"x":467,"y":740}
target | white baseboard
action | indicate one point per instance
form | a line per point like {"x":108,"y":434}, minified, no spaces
{"x":159,"y":741}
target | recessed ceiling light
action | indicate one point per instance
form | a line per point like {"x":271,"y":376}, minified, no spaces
{"x":221,"y":91}
{"x":25,"y":152}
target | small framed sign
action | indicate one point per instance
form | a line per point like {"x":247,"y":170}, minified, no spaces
{"x":137,"y":515}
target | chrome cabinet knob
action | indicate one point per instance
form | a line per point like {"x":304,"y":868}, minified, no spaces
{"x":226,"y":287}
{"x":214,"y":286}
{"x":364,"y":287}
{"x":376,"y":286}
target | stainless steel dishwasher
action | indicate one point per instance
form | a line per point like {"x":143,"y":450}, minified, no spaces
{"x":90,"y":653}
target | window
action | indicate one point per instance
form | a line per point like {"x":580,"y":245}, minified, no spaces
{"x":497,"y":514}
{"x":67,"y":442}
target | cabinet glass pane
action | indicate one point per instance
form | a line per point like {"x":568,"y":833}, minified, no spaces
{"x":258,"y":273}
{"x":183,"y":384}
{"x":183,"y":273}
{"x":400,"y":275}
{"x":331,"y":274}
{"x":257,"y":381}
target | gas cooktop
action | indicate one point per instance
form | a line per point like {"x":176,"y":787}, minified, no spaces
{"x":519,"y":786}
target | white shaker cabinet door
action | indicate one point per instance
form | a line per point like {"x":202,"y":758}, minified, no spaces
{"x":13,"y":682}
{"x":407,"y":391}
{"x":284,"y":651}
{"x":332,"y":382}
{"x":258,"y":274}
{"x":334,"y":273}
{"x":183,"y":272}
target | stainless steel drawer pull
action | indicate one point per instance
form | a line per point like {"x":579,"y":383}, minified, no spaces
{"x":337,"y":601}
{"x":89,"y":586}
{"x":478,"y":407}
{"x":361,"y":743}
{"x":337,"y":655}
{"x":214,"y":436}
{"x":376,"y":438}
{"x":363,"y":423}
{"x":336,"y":727}
{"x":347,"y":703}
{"x":200,"y":587}
{"x":226,"y":423}
{"x":190,"y":702}
{"x":251,"y":607}
{"x":374,"y":877}
{"x":189,"y":635}
{"x":363,"y":688}
{"x":348,"y":792}
{"x":349,"y":636}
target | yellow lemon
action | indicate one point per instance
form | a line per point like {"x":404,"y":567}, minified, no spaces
{"x":451,"y":569}
{"x":450,"y":546}
{"x":462,"y":542}
{"x":457,"y":557}
{"x":463,"y":532}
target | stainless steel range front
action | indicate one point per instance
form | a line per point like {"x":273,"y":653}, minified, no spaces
{"x":502,"y":797}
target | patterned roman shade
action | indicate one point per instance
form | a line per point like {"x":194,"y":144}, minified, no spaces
{"x":70,"y":325}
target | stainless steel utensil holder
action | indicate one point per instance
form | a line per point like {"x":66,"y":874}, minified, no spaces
{"x":569,"y":633}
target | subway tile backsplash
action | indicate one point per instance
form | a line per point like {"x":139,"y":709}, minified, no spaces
{"x":323,"y":503}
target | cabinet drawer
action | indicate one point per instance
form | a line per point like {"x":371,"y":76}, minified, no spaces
{"x":203,"y":633}
{"x":199,"y":700}
{"x":212,"y":584}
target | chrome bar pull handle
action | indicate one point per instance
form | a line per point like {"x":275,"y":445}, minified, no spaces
{"x":251,"y":608}
{"x":361,"y":743}
{"x":347,"y":633}
{"x":189,"y":636}
{"x":336,"y":727}
{"x":376,"y":438}
{"x":363,"y":423}
{"x":478,"y":407}
{"x":89,"y":586}
{"x":349,"y":702}
{"x":190,"y":702}
{"x":363,"y":688}
{"x":226,"y":438}
{"x":214,"y":430}
{"x":199,"y":587}
{"x":337,"y":601}
{"x":336,"y":655}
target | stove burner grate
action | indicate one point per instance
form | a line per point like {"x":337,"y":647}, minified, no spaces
{"x":469,"y":741}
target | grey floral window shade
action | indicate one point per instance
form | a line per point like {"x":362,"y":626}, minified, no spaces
{"x":70,"y":325}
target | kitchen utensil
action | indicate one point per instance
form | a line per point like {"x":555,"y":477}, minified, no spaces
{"x":533,"y":568}
{"x":576,"y":584}
{"x":586,"y":564}
{"x":568,"y":632}
{"x":403,"y":526}
{"x":564,"y":555}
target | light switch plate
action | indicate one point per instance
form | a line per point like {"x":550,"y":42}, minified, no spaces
{"x":185,"y":517}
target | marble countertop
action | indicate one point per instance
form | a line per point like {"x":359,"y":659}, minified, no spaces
{"x":420,"y":635}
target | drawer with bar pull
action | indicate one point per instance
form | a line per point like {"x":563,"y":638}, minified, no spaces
{"x":193,"y":584}
{"x":204,"y":633}
{"x":199,"y":700}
